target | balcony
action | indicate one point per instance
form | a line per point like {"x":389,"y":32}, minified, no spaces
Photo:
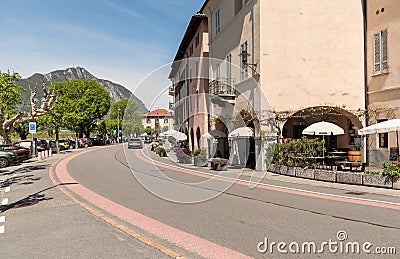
{"x":171,"y":90}
{"x":223,"y":88}
{"x":171,"y":105}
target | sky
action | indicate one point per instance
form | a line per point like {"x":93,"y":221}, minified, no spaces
{"x":123,"y":41}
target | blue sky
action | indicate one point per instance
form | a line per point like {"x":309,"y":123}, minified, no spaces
{"x":119,"y":40}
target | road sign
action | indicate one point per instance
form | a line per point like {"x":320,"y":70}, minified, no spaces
{"x":160,"y":130}
{"x":120,"y":132}
{"x":32,"y":127}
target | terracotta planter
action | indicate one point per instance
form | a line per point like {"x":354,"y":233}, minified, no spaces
{"x":354,"y":156}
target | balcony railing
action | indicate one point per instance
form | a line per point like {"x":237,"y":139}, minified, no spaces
{"x":172,"y":90}
{"x":222,"y":87}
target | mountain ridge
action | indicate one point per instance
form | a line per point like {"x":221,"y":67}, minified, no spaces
{"x":117,"y":91}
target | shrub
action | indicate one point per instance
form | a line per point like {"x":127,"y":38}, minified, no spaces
{"x":200,"y":153}
{"x":373,"y":172}
{"x":391,"y":170}
{"x":161,"y":152}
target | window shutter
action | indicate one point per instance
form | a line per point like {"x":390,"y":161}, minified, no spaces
{"x":377,"y":53}
{"x":384,"y":54}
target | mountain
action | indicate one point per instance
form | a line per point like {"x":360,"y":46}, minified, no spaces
{"x":117,"y":91}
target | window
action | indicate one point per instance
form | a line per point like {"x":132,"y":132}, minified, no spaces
{"x":244,"y":71}
{"x":229,"y":66}
{"x":217,"y":23}
{"x":197,"y":69}
{"x":381,"y":52}
{"x":383,"y":138}
{"x":217,"y":71}
{"x":165,"y":120}
{"x":197,"y":40}
{"x":148,"y":120}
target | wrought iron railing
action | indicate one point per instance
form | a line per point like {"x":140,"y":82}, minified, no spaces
{"x":222,"y":86}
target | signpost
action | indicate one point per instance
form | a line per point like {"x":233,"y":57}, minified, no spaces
{"x":32,"y":130}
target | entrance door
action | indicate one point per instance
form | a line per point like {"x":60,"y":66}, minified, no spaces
{"x":297,"y":131}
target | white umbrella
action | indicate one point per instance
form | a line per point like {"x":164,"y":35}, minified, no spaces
{"x":179,"y":136}
{"x":170,"y":132}
{"x":323,"y":129}
{"x":242,"y":132}
{"x":214,"y":134}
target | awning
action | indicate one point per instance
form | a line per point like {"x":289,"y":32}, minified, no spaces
{"x":381,"y":127}
{"x":214,"y":134}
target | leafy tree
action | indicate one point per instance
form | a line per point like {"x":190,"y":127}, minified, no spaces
{"x":10,"y":98}
{"x":81,"y":105}
{"x":22,"y":130}
{"x":130,"y":119}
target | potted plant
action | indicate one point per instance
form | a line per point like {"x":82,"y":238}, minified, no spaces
{"x":184,"y":156}
{"x":355,"y":155}
{"x":218,"y":163}
{"x":200,"y":157}
{"x":161,"y":152}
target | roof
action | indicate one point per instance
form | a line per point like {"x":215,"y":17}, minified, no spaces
{"x":191,"y":30}
{"x":158,"y":113}
{"x":204,"y":6}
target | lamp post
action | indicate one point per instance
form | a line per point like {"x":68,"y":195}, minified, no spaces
{"x":118,"y":126}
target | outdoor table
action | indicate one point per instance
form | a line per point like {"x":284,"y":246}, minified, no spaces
{"x":338,"y":153}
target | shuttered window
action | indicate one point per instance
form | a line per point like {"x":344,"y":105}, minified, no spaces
{"x":381,"y":52}
{"x":217,"y":22}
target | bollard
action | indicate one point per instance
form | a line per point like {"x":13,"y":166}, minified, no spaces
{"x":50,"y":152}
{"x":46,"y":154}
{"x":40,"y":156}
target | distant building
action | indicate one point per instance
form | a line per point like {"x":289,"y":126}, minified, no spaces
{"x":189,"y":76}
{"x":159,"y":118}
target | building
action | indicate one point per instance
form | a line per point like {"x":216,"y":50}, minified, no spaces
{"x":189,"y":77}
{"x":383,"y":73}
{"x":301,"y":60}
{"x":158,"y":119}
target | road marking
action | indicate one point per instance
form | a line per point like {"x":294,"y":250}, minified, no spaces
{"x":1,"y":229}
{"x":313,"y":194}
{"x":2,"y":219}
{"x":172,"y":235}
{"x":95,"y":212}
{"x":4,"y":201}
{"x":7,"y":189}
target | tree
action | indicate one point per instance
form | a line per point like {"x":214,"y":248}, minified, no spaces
{"x":81,"y":105}
{"x":10,"y":97}
{"x":130,"y":119}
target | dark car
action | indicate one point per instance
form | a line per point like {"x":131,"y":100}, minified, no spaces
{"x":7,"y":158}
{"x":135,"y":143}
{"x":21,"y":152}
{"x":29,"y":145}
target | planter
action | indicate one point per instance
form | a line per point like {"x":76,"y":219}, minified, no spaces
{"x":354,"y":156}
{"x":273,"y":168}
{"x":349,"y":177}
{"x":305,"y":173}
{"x":200,"y":162}
{"x":396,"y":184}
{"x":291,"y":171}
{"x":185,"y":160}
{"x":283,"y":169}
{"x":324,"y":175}
{"x":377,"y":180}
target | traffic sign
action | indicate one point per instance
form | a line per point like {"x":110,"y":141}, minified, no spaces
{"x":160,"y":130}
{"x":32,"y":127}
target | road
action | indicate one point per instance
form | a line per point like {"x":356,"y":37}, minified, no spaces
{"x":118,"y":203}
{"x":238,"y":219}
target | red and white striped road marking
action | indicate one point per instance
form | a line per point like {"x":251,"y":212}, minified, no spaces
{"x":173,"y":235}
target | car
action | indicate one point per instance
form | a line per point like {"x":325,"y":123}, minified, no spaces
{"x":21,"y":152}
{"x":7,"y":158}
{"x":64,"y":144}
{"x":135,"y":143}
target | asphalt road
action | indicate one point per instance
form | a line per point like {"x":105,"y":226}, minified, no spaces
{"x":239,"y":219}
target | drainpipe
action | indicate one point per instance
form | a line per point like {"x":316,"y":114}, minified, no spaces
{"x":366,"y":101}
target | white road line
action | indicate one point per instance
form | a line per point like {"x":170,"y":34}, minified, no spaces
{"x":275,"y":186}
{"x":4,"y":201}
{"x":2,"y":219}
{"x":1,"y":229}
{"x":7,"y":189}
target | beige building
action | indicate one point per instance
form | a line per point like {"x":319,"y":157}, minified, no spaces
{"x":302,"y":59}
{"x":158,"y":118}
{"x":383,"y":72}
{"x":189,"y":76}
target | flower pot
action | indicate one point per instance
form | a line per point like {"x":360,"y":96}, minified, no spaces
{"x":354,"y":156}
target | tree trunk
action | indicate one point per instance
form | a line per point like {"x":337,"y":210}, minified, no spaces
{"x":57,"y":131}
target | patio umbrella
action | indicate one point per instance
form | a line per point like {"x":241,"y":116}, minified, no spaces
{"x":170,"y":132}
{"x":323,"y":129}
{"x":179,"y":136}
{"x":382,"y":127}
{"x":246,"y":132}
{"x":214,"y":134}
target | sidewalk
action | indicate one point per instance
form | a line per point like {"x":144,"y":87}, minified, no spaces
{"x":273,"y":178}
{"x":39,"y":221}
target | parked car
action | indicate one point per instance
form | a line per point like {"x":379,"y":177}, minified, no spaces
{"x":98,"y":142}
{"x":7,"y":158}
{"x":64,"y":144}
{"x":29,"y":145}
{"x":21,"y":152}
{"x":72,"y":143}
{"x":135,"y":143}
{"x":43,"y":144}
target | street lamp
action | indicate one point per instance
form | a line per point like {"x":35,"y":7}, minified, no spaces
{"x":118,"y":126}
